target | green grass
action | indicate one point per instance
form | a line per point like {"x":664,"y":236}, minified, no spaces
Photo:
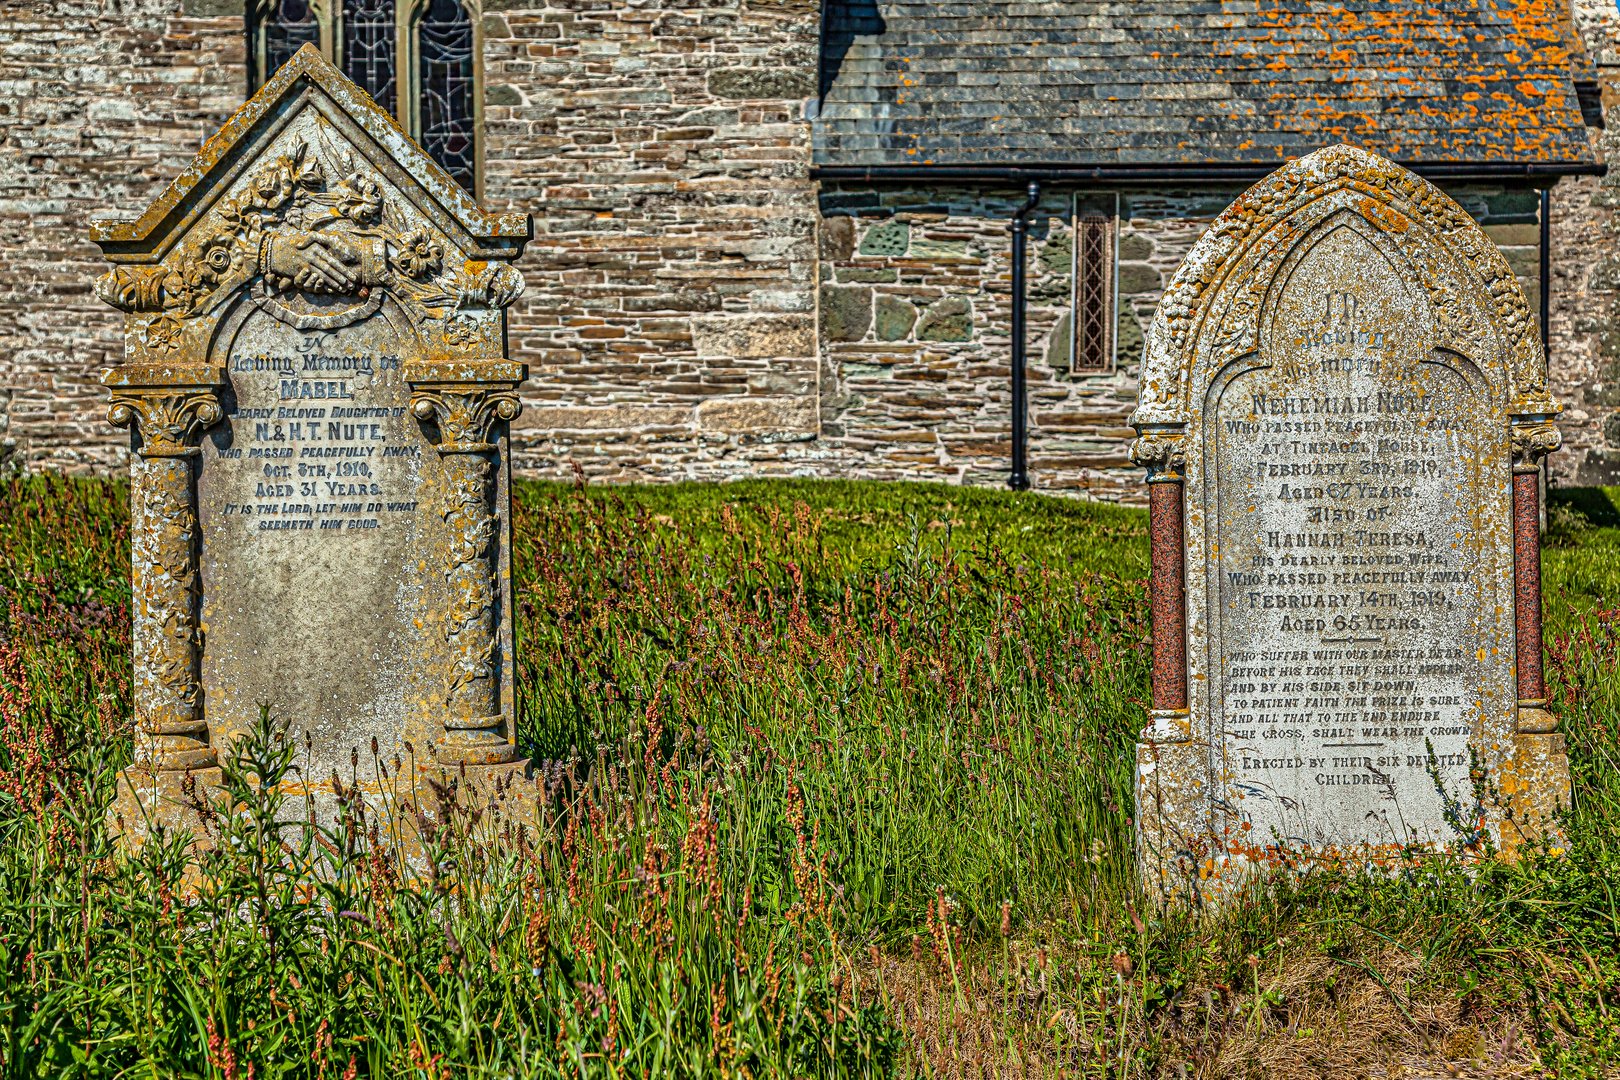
{"x":839,"y":784}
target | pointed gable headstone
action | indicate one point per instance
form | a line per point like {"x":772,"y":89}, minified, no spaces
{"x":317,"y":390}
{"x":1344,"y":410}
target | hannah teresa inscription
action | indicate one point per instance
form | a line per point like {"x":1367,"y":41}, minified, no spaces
{"x":1343,"y":415}
{"x":317,"y":390}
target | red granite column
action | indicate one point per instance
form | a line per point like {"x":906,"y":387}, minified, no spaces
{"x":1531,"y":443}
{"x":1167,"y":593}
{"x":1160,"y":451}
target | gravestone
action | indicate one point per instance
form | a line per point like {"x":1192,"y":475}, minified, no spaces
{"x":1344,"y":409}
{"x":317,"y":390}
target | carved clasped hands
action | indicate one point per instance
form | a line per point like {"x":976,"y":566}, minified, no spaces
{"x":313,"y":262}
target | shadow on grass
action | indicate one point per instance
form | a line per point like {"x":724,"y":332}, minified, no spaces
{"x":1599,"y":506}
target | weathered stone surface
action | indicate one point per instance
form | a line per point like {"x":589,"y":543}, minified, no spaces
{"x":895,"y":318}
{"x":1356,"y":414}
{"x":929,"y":247}
{"x":755,"y":83}
{"x":837,"y":237}
{"x":1060,"y":347}
{"x":846,"y":313}
{"x":1138,"y":278}
{"x":950,"y":319}
{"x":327,"y":317}
{"x":761,"y":336}
{"x":763,"y":416}
{"x":890,"y":237}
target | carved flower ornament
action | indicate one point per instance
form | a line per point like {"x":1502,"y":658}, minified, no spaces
{"x":360,"y":199}
{"x":304,"y":240}
{"x":418,"y":254}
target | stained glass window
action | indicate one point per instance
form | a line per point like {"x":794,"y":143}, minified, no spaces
{"x":1094,"y":293}
{"x":417,"y":58}
{"x":445,"y":43}
{"x":368,"y":48}
{"x":285,"y":27}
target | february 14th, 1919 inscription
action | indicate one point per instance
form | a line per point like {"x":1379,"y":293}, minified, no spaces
{"x":1344,"y":407}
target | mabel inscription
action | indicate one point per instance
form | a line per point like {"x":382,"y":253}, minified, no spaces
{"x":1330,"y":437}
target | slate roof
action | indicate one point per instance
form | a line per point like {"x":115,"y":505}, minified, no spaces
{"x":1194,"y":82}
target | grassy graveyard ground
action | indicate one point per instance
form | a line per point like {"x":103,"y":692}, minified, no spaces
{"x":839,"y":784}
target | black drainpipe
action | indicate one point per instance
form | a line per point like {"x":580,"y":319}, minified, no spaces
{"x":1546,"y":273}
{"x":1019,"y":480}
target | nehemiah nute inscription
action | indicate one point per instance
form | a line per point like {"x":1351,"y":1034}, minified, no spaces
{"x":1344,"y":401}
{"x":317,"y":388}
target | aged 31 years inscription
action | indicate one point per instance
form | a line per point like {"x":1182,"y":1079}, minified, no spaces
{"x":1342,"y":600}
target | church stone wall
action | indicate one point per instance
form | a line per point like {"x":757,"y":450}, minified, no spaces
{"x":1585,"y":308}
{"x":697,"y":307}
{"x":670,"y":319}
{"x":100,"y":104}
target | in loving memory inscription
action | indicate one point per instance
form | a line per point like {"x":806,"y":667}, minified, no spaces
{"x":1344,"y":407}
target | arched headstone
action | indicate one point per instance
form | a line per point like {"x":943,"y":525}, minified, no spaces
{"x":1344,"y":409}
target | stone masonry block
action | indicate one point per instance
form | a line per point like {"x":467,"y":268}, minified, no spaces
{"x":762,"y":416}
{"x":846,"y":313}
{"x":890,"y":237}
{"x":754,"y":336}
{"x":950,"y":319}
{"x":895,"y":318}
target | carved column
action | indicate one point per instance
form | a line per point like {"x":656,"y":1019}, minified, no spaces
{"x":473,"y":724}
{"x":171,"y":731}
{"x":1162,"y":453}
{"x":1534,"y":437}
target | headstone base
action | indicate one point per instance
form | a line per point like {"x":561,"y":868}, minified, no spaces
{"x":495,"y":800}
{"x":166,"y":800}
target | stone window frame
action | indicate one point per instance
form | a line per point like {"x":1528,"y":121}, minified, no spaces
{"x":1104,"y":216}
{"x":407,"y":78}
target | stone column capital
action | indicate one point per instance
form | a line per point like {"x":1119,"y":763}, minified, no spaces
{"x":1534,"y":437}
{"x":465,"y":399}
{"x":167,"y":405}
{"x":1162,"y":451}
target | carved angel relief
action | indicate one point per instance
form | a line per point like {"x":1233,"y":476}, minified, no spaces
{"x":318,"y":243}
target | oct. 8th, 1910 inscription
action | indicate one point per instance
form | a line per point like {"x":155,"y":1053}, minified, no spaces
{"x":1344,"y":610}
{"x":1344,"y":409}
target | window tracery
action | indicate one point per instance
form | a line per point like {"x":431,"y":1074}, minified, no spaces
{"x":419,"y":59}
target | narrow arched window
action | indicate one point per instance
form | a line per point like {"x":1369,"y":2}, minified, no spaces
{"x":419,"y":59}
{"x":445,"y":73}
{"x":371,"y":48}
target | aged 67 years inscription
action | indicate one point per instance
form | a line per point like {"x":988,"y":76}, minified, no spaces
{"x":1344,"y":410}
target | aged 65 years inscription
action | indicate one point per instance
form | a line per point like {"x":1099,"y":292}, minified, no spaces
{"x":1343,"y":597}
